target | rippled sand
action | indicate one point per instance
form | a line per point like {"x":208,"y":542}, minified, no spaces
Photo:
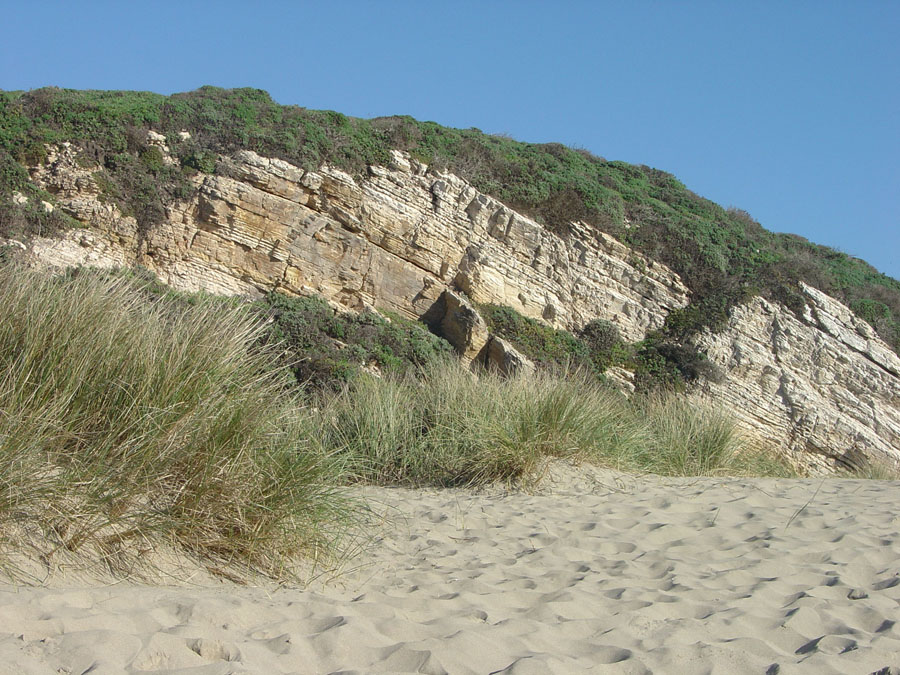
{"x":597,"y":572}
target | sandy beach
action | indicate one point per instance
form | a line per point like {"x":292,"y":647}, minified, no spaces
{"x":594,"y":572}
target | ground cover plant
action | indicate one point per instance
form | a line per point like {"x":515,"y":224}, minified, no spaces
{"x":723,"y":255}
{"x":658,"y":361}
{"x":325,"y":348}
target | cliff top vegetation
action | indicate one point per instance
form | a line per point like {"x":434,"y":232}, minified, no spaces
{"x":723,"y":255}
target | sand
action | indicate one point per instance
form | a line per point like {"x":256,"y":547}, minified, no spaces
{"x":596,"y":572}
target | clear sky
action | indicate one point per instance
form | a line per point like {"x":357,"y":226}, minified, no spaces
{"x":788,"y":110}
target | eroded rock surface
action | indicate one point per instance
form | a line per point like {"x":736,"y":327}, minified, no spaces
{"x":457,"y":320}
{"x":825,"y":389}
{"x":394,"y":240}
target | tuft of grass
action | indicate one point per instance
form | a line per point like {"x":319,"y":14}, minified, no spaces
{"x":124,"y":421}
{"x":687,"y":437}
{"x":878,"y":471}
{"x":451,"y":427}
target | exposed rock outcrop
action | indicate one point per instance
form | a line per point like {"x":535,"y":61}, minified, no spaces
{"x":460,"y":324}
{"x":825,"y":389}
{"x":458,"y":321}
{"x":395,"y":240}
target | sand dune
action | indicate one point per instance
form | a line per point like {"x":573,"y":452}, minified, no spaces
{"x":596,"y":572}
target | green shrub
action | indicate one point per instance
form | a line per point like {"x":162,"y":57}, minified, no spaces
{"x":153,"y":159}
{"x":201,"y":160}
{"x":328,"y":348}
{"x":604,"y":343}
{"x":542,"y":344}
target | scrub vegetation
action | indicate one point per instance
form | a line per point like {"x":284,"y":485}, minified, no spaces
{"x":723,"y":255}
{"x":130,"y":413}
{"x":125,"y":418}
{"x":658,"y":362}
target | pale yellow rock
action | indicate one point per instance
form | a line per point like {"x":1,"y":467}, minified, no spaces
{"x":814,"y":388}
{"x":504,"y":358}
{"x":622,"y":379}
{"x":825,"y":389}
{"x":158,"y":140}
{"x":393,"y":240}
{"x":456,"y":320}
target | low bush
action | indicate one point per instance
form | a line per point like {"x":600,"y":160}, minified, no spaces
{"x":326,"y":348}
{"x":546,"y":346}
{"x":604,"y":344}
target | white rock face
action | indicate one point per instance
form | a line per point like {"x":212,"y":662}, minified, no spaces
{"x":824,"y":390}
{"x":158,"y":140}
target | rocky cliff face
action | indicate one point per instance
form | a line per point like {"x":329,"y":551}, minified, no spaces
{"x":395,"y":240}
{"x":824,"y":389}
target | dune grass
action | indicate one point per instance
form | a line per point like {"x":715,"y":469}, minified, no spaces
{"x":130,"y":419}
{"x":878,"y":471}
{"x":451,"y":427}
{"x":124,"y":420}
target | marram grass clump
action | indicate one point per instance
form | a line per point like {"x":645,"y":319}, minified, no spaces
{"x":451,"y":427}
{"x":124,"y":420}
{"x":132,"y":420}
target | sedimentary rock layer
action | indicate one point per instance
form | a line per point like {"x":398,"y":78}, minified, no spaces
{"x":822,"y":388}
{"x":394,"y":240}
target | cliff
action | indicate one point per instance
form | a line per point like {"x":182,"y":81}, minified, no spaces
{"x":822,"y":387}
{"x":393,"y":241}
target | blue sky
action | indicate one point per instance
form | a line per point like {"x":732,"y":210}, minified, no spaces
{"x":789,"y":110}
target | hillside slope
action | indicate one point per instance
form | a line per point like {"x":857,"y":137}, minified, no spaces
{"x":192,"y":187}
{"x":723,"y":256}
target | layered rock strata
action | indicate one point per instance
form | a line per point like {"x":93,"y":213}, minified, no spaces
{"x":823,"y":388}
{"x":394,"y":240}
{"x":459,"y":322}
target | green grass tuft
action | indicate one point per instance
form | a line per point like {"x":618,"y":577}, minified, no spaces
{"x":123,"y":420}
{"x":451,"y":427}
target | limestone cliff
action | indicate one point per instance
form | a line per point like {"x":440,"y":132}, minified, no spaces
{"x":823,"y":387}
{"x":394,"y":240}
